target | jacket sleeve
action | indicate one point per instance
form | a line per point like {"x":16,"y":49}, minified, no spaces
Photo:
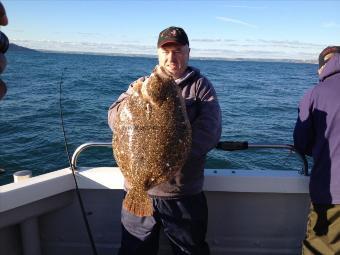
{"x":113,"y":110}
{"x":207,"y":126}
{"x":304,"y":131}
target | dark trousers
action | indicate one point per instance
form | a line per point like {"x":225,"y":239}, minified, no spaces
{"x":184,"y":221}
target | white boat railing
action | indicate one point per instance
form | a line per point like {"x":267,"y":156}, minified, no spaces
{"x":223,"y":145}
{"x":85,"y":146}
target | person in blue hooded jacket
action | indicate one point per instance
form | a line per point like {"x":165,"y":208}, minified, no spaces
{"x":317,"y":134}
{"x":180,"y":206}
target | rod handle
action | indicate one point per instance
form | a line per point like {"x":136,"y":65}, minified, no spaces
{"x":232,"y":146}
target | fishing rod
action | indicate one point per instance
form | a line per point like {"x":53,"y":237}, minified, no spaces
{"x":72,"y":167}
{"x":244,"y":145}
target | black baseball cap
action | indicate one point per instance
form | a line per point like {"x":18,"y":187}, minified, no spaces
{"x":325,"y":52}
{"x":172,"y":35}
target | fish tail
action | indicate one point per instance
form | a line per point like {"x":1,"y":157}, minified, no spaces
{"x":138,"y":203}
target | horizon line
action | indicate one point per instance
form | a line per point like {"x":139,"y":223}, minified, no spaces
{"x":150,"y":55}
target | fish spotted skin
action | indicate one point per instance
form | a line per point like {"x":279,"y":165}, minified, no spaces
{"x":152,"y":138}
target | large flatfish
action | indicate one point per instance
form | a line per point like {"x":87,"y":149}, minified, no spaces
{"x":152,"y":138}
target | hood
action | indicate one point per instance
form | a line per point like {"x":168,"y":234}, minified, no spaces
{"x":331,"y":67}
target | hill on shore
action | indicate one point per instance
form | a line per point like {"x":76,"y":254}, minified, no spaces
{"x":15,"y":47}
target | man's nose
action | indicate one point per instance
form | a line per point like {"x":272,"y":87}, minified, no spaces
{"x":171,"y":56}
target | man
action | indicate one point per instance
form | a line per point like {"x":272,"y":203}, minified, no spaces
{"x":180,"y":205}
{"x":3,"y":49}
{"x":317,"y":134}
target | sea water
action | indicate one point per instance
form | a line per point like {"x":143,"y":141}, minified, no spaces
{"x":258,"y":100}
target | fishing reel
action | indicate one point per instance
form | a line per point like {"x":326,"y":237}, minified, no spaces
{"x":3,"y":90}
{"x":4,"y":43}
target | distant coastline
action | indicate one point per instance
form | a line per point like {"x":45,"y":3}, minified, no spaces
{"x":297,"y":61}
{"x":16,"y":47}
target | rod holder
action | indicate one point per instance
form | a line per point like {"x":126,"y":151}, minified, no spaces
{"x":22,"y":175}
{"x":29,"y":228}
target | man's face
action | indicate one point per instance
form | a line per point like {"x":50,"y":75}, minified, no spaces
{"x":174,"y":58}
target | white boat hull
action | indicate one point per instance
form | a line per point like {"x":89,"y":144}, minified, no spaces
{"x":250,"y":212}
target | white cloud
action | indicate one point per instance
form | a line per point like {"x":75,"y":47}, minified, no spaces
{"x":211,"y":48}
{"x":209,"y":40}
{"x":251,"y":43}
{"x":331,"y":24}
{"x":88,"y":34}
{"x":82,"y":47}
{"x":245,"y":7}
{"x":236,"y":21}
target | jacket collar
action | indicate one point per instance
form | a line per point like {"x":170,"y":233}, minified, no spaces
{"x":191,"y":72}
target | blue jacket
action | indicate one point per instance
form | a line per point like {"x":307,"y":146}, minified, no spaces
{"x":317,"y":133}
{"x":205,"y":118}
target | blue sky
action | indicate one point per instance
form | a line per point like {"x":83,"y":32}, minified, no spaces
{"x":229,"y":29}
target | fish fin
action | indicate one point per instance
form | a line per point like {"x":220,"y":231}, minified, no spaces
{"x":138,"y":203}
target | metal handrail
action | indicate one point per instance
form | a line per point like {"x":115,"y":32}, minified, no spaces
{"x":85,"y":146}
{"x":224,"y":145}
